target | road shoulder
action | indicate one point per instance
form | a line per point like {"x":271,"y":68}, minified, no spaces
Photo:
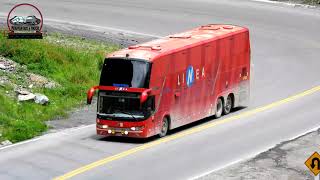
{"x":285,"y":161}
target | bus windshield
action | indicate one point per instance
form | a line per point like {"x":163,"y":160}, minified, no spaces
{"x":123,"y":105}
{"x":125,"y":73}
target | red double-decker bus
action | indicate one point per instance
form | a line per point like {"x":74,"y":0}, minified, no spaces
{"x":151,"y":88}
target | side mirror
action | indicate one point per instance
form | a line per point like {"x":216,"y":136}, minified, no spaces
{"x":90,"y":94}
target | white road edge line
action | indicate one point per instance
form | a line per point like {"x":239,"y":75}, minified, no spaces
{"x":64,"y":131}
{"x":252,"y":155}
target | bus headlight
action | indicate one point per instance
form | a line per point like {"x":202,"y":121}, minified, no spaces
{"x":104,"y":126}
{"x":136,"y":128}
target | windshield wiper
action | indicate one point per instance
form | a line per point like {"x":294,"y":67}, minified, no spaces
{"x":127,"y":113}
{"x":104,"y":114}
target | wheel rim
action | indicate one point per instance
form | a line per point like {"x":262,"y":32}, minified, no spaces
{"x":219,"y":107}
{"x":164,"y":128}
{"x":228,"y":105}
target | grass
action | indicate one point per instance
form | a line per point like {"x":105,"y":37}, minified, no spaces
{"x":73,"y":62}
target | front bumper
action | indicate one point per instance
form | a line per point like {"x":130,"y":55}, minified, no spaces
{"x":122,"y":128}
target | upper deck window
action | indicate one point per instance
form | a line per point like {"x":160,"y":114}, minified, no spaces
{"x":125,"y":73}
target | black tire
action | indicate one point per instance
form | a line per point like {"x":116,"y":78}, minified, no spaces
{"x":219,"y":108}
{"x":164,"y":127}
{"x":228,"y":105}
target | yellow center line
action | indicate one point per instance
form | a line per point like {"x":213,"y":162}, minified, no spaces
{"x":184,"y":133}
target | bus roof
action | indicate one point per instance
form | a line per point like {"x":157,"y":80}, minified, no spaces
{"x":172,"y":43}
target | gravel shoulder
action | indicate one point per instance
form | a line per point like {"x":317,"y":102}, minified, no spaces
{"x":308,"y":2}
{"x":285,"y":161}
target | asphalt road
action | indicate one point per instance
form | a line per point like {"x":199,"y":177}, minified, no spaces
{"x":285,"y":53}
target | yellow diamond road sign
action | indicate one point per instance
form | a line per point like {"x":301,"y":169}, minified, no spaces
{"x":313,"y":163}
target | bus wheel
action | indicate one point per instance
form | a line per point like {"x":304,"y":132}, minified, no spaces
{"x":219,"y":108}
{"x":228,"y":106}
{"x":165,"y":127}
